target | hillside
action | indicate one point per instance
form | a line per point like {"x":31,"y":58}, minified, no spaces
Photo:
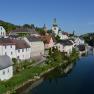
{"x":8,"y":26}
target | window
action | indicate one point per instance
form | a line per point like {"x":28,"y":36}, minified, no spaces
{"x":1,"y":33}
{"x":11,"y":53}
{"x":8,"y":70}
{"x":5,"y":46}
{"x":19,"y":50}
{"x":17,"y":57}
{"x":3,"y":72}
{"x":22,"y":50}
{"x":5,"y":53}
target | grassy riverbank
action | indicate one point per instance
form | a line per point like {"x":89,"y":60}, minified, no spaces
{"x":31,"y":73}
{"x":22,"y":77}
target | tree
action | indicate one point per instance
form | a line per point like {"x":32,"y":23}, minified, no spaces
{"x":57,"y":38}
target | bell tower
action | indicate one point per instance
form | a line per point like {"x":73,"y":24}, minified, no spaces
{"x":55,"y":28}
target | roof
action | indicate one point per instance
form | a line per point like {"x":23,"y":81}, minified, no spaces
{"x":46,"y":38}
{"x":66,"y":42}
{"x":6,"y":41}
{"x":20,"y":44}
{"x":65,"y":33}
{"x":5,"y":62}
{"x":33,"y":38}
{"x":24,"y":29}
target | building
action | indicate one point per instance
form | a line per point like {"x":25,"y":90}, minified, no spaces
{"x":22,"y":50}
{"x":79,"y":41}
{"x":23,"y":30}
{"x":6,"y":68}
{"x":2,"y":32}
{"x":63,"y":35}
{"x":65,"y":46}
{"x":37,"y":46}
{"x":15,"y":48}
{"x":48,"y":41}
{"x":7,"y":47}
{"x":55,"y":28}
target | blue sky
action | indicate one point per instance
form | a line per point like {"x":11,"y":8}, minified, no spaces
{"x":71,"y":15}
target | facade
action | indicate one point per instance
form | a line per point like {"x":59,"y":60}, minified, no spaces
{"x":37,"y":46}
{"x":2,"y":32}
{"x":63,"y":35}
{"x":22,"y":50}
{"x":48,"y":41}
{"x":14,"y":48}
{"x":79,"y":41}
{"x":7,"y":47}
{"x":6,"y":68}
{"x":65,"y":46}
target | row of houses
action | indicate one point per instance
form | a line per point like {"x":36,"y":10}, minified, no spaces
{"x":28,"y":47}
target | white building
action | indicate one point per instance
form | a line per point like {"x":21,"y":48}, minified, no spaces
{"x":37,"y":46}
{"x":15,"y":48}
{"x":6,"y":68}
{"x":55,"y":28}
{"x":7,"y":47}
{"x":79,"y":41}
{"x":2,"y":32}
{"x":22,"y":50}
{"x":65,"y":46}
{"x":63,"y":35}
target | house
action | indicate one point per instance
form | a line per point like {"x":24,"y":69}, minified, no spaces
{"x":23,"y":30}
{"x":6,"y":68}
{"x":37,"y":46}
{"x":15,"y":48}
{"x":79,"y":41}
{"x":65,"y":46}
{"x":2,"y":32}
{"x":22,"y":50}
{"x":48,"y":41}
{"x":7,"y":47}
{"x":63,"y":35}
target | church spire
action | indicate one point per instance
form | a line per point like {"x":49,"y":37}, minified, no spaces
{"x":54,"y":22}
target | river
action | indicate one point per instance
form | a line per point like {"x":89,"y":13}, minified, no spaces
{"x":77,"y":78}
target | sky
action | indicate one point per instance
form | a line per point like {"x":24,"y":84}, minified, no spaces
{"x":71,"y":15}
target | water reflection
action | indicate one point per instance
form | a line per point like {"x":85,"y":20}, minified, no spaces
{"x":53,"y":76}
{"x":60,"y":72}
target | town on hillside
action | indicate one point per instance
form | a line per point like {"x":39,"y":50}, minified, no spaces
{"x":33,"y":44}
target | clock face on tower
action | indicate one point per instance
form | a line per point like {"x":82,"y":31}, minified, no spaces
{"x":54,"y":28}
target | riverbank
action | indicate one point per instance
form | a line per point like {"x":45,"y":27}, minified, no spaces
{"x":26,"y":76}
{"x":34,"y":73}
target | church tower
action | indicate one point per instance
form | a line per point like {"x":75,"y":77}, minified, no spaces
{"x":55,"y":28}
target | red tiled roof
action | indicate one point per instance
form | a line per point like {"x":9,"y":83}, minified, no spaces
{"x":46,"y":38}
{"x":6,"y":41}
{"x":20,"y":44}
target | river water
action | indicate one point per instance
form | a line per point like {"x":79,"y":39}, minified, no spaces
{"x":78,"y":79}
